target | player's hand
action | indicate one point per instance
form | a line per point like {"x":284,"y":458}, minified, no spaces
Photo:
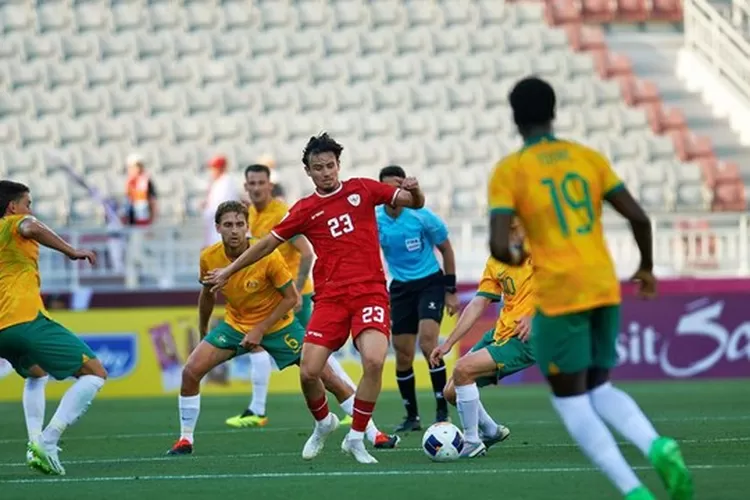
{"x":298,"y":304}
{"x":523,"y":328}
{"x":252,"y":339}
{"x":87,"y":255}
{"x":410,"y":184}
{"x":216,"y":277}
{"x":451,"y":303}
{"x":438,"y":353}
{"x":646,"y":284}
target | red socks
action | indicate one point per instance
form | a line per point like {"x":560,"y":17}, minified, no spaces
{"x":362,"y":414}
{"x":318,"y":408}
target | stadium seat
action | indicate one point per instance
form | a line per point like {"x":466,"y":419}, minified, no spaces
{"x":90,"y":18}
{"x":424,"y":84}
{"x":237,"y":17}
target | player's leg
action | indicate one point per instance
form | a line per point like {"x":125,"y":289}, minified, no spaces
{"x":370,"y":329}
{"x":62,"y":354}
{"x":344,"y":391}
{"x":563,"y":348}
{"x":35,"y":380}
{"x":623,"y":414}
{"x":254,"y":415}
{"x":404,"y":329}
{"x":327,"y":332}
{"x":221,"y":344}
{"x":430,"y":309}
{"x":34,"y":402}
{"x":334,"y":364}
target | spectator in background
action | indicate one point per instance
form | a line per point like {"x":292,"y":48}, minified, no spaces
{"x":223,"y":188}
{"x":140,"y":192}
{"x":140,"y":212}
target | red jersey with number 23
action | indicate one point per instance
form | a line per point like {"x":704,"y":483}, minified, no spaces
{"x":342,"y":229}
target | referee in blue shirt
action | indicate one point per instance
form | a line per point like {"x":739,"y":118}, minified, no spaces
{"x":419,"y":291}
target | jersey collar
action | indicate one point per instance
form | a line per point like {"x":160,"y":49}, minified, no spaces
{"x":537,"y":139}
{"x":335,"y":191}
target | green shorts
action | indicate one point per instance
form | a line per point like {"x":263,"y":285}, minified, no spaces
{"x":570,"y":343}
{"x":284,"y":346}
{"x":303,"y":316}
{"x":46,"y":343}
{"x":510,"y":356}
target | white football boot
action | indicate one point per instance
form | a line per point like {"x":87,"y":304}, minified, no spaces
{"x":317,"y":440}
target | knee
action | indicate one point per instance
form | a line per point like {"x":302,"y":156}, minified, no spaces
{"x":308,"y":375}
{"x":94,"y":367}
{"x":190,"y":375}
{"x":462,"y":375}
{"x":404,"y":359}
{"x":372,"y":365}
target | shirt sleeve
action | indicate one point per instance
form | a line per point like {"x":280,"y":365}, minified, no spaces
{"x":16,"y":221}
{"x":501,"y":190}
{"x":488,"y":284}
{"x":436,"y":229}
{"x":290,"y":225}
{"x":277,"y":271}
{"x":203,"y":267}
{"x":381,"y":193}
{"x":610,"y":181}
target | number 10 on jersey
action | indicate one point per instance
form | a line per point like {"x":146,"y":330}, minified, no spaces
{"x":340,"y":225}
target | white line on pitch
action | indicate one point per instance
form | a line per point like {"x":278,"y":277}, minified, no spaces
{"x":737,"y":418}
{"x":357,"y":474}
{"x":164,"y":458}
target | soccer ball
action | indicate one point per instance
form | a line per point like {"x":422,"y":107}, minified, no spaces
{"x":443,"y":442}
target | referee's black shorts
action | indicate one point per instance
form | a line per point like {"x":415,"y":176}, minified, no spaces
{"x":412,"y":301}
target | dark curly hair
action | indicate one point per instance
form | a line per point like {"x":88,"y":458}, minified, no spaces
{"x":322,"y":143}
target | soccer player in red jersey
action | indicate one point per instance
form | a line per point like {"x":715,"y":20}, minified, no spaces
{"x":350,"y":292}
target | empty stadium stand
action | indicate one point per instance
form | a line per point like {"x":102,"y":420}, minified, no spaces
{"x":420,"y":83}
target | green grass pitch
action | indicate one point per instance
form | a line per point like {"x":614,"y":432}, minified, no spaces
{"x":118,"y":450}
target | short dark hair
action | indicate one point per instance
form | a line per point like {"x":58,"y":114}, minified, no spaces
{"x":322,"y":143}
{"x":533,"y":102}
{"x":257,"y":168}
{"x":229,"y":207}
{"x":391,"y":171}
{"x":10,"y":191}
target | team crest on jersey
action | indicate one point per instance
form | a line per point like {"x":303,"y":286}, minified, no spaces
{"x":354,"y":199}
{"x":251,"y":284}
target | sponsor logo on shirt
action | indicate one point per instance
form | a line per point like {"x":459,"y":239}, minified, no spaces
{"x":413,"y":244}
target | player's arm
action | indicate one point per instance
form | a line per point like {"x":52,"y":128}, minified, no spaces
{"x":206,"y":303}
{"x":33,"y":229}
{"x":306,"y":260}
{"x":469,"y":316}
{"x":622,"y":201}
{"x":278,"y":273}
{"x":409,"y":195}
{"x":502,"y":203}
{"x":289,"y":297}
{"x":262,"y":248}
